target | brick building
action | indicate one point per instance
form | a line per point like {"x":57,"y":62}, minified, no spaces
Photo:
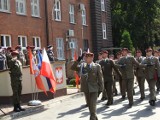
{"x":101,"y":25}
{"x":65,"y":24}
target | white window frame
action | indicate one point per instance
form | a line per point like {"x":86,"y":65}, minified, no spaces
{"x":84,"y":19}
{"x":4,"y":40}
{"x":19,"y":9}
{"x":33,"y":11}
{"x":60,"y":48}
{"x":3,"y":5}
{"x":21,"y":36}
{"x":57,"y":11}
{"x":71,"y":13}
{"x":102,"y":5}
{"x":104,"y":30}
{"x":35,"y":38}
{"x":73,"y":49}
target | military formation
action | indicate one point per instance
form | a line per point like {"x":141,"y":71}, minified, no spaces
{"x":101,"y":76}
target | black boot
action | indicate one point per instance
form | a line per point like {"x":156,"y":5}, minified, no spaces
{"x":152,"y":102}
{"x":20,"y":108}
{"x":16,"y":109}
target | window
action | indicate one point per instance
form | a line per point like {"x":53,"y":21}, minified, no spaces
{"x":35,"y":8}
{"x":102,"y":5}
{"x":37,"y":42}
{"x":104,"y":31}
{"x":57,"y":11}
{"x":83,"y":16}
{"x":21,"y":6}
{"x":85,"y":44}
{"x":71,"y":14}
{"x":73,"y":46}
{"x":5,"y":41}
{"x":22,"y":41}
{"x":5,"y":5}
{"x":60,"y":48}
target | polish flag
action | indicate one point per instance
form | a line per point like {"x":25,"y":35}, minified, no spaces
{"x":35,"y":71}
{"x":46,"y":70}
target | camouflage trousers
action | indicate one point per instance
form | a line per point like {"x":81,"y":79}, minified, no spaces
{"x":17,"y":89}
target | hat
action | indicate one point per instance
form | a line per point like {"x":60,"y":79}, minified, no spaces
{"x":14,"y":52}
{"x":49,"y":46}
{"x":118,"y":53}
{"x":149,"y":50}
{"x":100,"y":53}
{"x":156,"y":51}
{"x":105,"y":51}
{"x":31,"y":47}
{"x":125,"y":49}
{"x":138,"y":51}
{"x":17,"y":47}
{"x":89,"y":55}
{"x":9,"y":48}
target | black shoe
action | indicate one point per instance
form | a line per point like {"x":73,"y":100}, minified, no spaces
{"x":142,"y":98}
{"x":20,"y":108}
{"x":130,"y":105}
{"x":16,"y":109}
{"x":123,"y":97}
{"x":152,"y":102}
{"x":158,"y":89}
{"x":109,"y":103}
{"x":103,"y":98}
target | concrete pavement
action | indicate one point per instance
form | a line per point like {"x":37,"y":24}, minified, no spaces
{"x":74,"y":109}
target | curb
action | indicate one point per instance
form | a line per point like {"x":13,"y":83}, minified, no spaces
{"x":41,"y":107}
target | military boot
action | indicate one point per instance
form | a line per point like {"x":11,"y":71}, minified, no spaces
{"x":16,"y":109}
{"x":20,"y":108}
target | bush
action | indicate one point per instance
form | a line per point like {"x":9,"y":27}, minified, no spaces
{"x":72,"y":82}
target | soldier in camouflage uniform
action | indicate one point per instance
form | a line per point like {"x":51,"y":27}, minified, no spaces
{"x":16,"y":79}
{"x":152,"y":73}
{"x":8,"y":56}
{"x":127,"y":63}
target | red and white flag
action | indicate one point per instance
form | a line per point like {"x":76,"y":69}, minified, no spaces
{"x":46,"y":70}
{"x":35,"y":71}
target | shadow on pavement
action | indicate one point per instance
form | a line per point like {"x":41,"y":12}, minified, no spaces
{"x":76,"y":110}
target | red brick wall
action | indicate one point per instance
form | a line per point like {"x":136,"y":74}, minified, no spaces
{"x":59,"y":29}
{"x":14,"y":25}
{"x":29,"y":26}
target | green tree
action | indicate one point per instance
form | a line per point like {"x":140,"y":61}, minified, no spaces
{"x":126,"y":41}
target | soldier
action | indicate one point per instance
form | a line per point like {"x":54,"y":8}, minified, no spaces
{"x":117,"y":78}
{"x":104,"y":94}
{"x":152,"y":73}
{"x":16,"y":79}
{"x":21,"y":56}
{"x":50,"y":53}
{"x":156,"y":54}
{"x":91,"y":81}
{"x":127,"y":63}
{"x":107,"y":68}
{"x":139,"y":72}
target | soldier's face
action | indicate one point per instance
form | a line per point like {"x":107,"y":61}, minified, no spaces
{"x":149,"y":53}
{"x":124,"y":53}
{"x":118,"y":56}
{"x":138,"y":54}
{"x":88,"y":59}
{"x":100,"y":57}
{"x":104,"y":55}
{"x":156,"y":54}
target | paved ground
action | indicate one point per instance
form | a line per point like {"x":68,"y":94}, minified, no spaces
{"x":8,"y":109}
{"x":74,"y":109}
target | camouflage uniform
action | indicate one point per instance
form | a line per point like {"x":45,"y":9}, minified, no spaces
{"x":16,"y":79}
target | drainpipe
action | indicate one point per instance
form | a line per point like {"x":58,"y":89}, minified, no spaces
{"x":47,"y":24}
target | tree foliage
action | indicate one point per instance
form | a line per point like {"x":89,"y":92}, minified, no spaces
{"x":141,"y":18}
